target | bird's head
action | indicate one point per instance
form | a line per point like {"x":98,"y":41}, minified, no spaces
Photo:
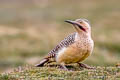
{"x":81,"y":25}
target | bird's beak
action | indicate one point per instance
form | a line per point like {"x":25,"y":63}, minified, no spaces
{"x":71,"y":22}
{"x":75,"y":23}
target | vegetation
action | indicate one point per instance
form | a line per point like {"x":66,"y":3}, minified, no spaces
{"x":55,"y":73}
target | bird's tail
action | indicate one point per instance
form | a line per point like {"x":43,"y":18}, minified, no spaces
{"x":42,"y":62}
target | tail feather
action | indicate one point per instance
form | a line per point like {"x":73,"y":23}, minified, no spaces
{"x":42,"y":62}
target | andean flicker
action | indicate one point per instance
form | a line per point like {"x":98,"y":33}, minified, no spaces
{"x":75,"y":48}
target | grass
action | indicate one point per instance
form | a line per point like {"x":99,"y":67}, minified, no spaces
{"x":55,"y":73}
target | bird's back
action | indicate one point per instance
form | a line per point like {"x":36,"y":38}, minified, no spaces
{"x":64,"y":43}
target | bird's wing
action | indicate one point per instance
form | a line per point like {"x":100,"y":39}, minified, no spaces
{"x":64,"y":43}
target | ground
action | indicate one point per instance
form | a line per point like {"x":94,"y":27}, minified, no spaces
{"x":54,"y":72}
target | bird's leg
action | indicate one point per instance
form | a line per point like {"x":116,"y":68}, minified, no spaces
{"x":85,"y":66}
{"x":63,"y":66}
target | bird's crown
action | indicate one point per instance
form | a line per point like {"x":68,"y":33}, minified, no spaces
{"x":83,"y":19}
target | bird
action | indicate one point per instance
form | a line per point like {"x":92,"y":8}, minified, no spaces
{"x":75,"y":48}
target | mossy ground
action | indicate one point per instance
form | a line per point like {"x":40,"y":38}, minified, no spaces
{"x":53,"y":72}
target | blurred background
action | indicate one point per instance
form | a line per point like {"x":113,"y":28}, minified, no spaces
{"x":29,"y":29}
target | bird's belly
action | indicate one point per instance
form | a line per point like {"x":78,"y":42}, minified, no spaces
{"x":71,"y":55}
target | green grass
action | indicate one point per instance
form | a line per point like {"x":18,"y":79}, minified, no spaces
{"x":55,"y":73}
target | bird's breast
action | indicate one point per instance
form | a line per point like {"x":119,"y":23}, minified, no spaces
{"x":75,"y":52}
{"x":85,"y":45}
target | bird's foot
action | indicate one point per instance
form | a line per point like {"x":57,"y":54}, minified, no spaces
{"x":62,"y":66}
{"x":85,"y":66}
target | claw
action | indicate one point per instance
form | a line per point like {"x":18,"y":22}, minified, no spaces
{"x":85,"y":66}
{"x":63,"y":67}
